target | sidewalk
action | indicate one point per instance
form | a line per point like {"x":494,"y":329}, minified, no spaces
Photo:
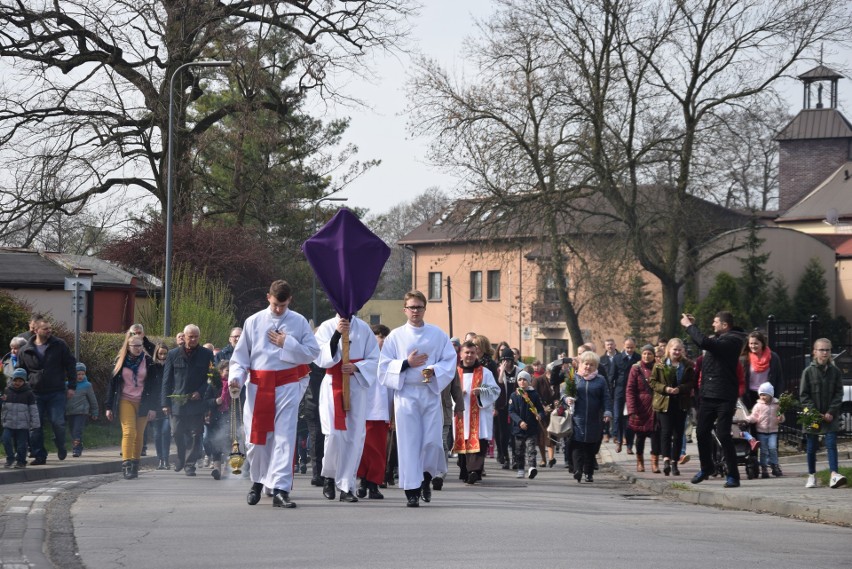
{"x":785,"y":496}
{"x":105,"y":460}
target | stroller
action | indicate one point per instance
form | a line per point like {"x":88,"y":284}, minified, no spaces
{"x":745,"y":455}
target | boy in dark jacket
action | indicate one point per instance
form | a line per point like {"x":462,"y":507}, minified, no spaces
{"x":525,"y":410}
{"x":19,"y":415}
{"x":79,"y":407}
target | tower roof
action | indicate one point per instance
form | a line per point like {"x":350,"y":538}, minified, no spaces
{"x":811,"y":124}
{"x":820,"y":73}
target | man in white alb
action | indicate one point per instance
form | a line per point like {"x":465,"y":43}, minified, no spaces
{"x":271,"y":358}
{"x":417,"y":361}
{"x":344,"y":430}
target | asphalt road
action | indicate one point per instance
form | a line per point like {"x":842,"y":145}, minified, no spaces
{"x":165,"y":519}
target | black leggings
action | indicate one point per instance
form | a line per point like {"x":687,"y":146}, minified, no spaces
{"x":671,"y":431}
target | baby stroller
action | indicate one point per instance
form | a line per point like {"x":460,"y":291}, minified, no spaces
{"x":745,"y":455}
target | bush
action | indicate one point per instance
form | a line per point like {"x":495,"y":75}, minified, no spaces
{"x":196,"y":299}
{"x":14,"y":319}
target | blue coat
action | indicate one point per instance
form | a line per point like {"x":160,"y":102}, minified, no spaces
{"x":592,"y":403}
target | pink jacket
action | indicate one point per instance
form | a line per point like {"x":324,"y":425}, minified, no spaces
{"x":764,"y":416}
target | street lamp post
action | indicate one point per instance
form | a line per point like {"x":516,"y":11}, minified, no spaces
{"x":167,"y":292}
{"x":314,"y":285}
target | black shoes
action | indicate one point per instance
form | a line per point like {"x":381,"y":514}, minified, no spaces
{"x":473,"y":478}
{"x":373,"y":492}
{"x":215,"y":474}
{"x":189,"y":470}
{"x":281,"y":499}
{"x":589,"y":478}
{"x":328,"y":489}
{"x":179,"y":465}
{"x":126,"y":469}
{"x":437,"y":483}
{"x":675,"y":469}
{"x":134,"y":470}
{"x":413,"y":497}
{"x":61,"y":453}
{"x":316,"y":481}
{"x":578,"y":476}
{"x":362,"y":488}
{"x":348,"y":497}
{"x":253,"y":496}
{"x":38,"y":462}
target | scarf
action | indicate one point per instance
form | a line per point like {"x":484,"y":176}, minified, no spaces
{"x":132,"y":363}
{"x":760,"y":363}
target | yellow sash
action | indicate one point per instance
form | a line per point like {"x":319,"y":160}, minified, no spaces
{"x":471,"y":445}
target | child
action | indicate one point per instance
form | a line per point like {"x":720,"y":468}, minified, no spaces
{"x":765,"y":415}
{"x":80,"y":407}
{"x":526,"y":411}
{"x":218,"y":419}
{"x":821,"y":389}
{"x":19,"y":415}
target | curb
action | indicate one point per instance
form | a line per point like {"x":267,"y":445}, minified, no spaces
{"x":732,"y":501}
{"x":36,"y":473}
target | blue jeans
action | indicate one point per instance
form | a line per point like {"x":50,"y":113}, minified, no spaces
{"x":162,"y":437}
{"x":830,"y":449}
{"x":51,"y":409}
{"x":15,"y":445}
{"x":768,"y":448}
{"x":620,"y":430}
{"x":76,"y":423}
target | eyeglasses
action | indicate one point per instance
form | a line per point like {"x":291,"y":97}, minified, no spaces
{"x":415,"y":308}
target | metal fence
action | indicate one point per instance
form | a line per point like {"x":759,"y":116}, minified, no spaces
{"x":792,"y":341}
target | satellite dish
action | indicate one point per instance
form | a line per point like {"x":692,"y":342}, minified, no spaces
{"x":831,"y":216}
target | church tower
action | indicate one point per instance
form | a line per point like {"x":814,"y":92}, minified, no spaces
{"x":817,"y":141}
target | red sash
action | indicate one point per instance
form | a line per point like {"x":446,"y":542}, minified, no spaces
{"x":336,"y":374}
{"x":263,"y":416}
{"x":471,"y":445}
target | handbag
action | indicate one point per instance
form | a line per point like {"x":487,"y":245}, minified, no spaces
{"x":561,"y":424}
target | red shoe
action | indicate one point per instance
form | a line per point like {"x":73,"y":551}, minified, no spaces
{"x":754,"y":444}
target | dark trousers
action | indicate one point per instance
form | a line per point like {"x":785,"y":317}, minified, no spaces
{"x":15,"y":445}
{"x":716,"y":414}
{"x":502,"y":435}
{"x":473,"y":462}
{"x":672,"y":423}
{"x":76,"y":424}
{"x":316,"y":443}
{"x":188,"y":430}
{"x":583,"y":455}
{"x":51,"y":409}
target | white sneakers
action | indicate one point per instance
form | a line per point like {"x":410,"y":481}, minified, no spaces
{"x":520,"y":474}
{"x":836,"y":481}
{"x":532,"y":472}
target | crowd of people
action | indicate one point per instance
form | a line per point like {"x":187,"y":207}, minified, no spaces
{"x":369,"y":407}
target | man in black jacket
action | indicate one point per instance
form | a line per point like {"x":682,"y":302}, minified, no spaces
{"x":621,"y":364}
{"x":49,"y":364}
{"x":184,"y":385}
{"x":719,"y":392}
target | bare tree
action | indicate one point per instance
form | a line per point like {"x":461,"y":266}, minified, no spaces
{"x":393,"y":226}
{"x":652,"y":77}
{"x":87,"y":84}
{"x":510,"y":134}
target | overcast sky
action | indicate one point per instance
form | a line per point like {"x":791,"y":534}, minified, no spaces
{"x":380,"y":132}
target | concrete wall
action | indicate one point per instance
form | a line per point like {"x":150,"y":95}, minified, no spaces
{"x":790,"y":252}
